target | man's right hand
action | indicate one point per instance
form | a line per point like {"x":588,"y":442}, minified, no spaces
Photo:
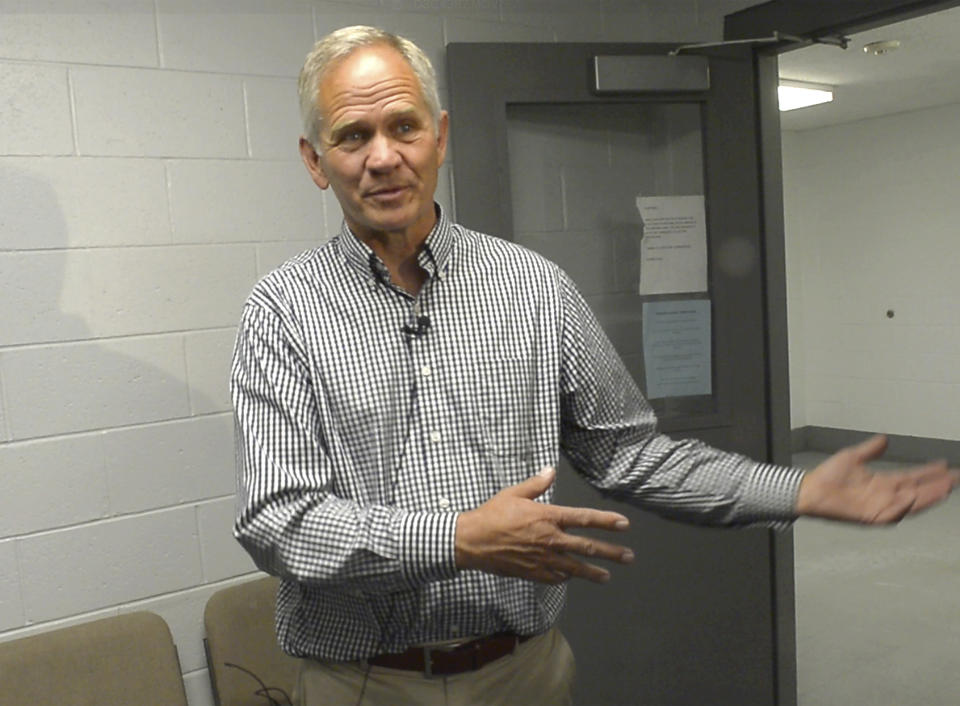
{"x":512,"y":535}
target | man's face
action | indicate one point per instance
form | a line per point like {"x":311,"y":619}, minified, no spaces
{"x":380,"y":151}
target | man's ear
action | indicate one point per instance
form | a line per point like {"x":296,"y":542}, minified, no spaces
{"x":311,"y":161}
{"x":442,"y":130}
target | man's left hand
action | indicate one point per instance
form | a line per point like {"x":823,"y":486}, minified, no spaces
{"x":843,"y":488}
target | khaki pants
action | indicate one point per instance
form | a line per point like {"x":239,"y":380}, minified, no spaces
{"x":539,"y":673}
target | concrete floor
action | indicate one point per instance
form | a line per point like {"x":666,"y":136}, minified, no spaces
{"x":878,"y":609}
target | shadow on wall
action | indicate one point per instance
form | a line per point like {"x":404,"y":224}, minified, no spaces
{"x":91,"y":405}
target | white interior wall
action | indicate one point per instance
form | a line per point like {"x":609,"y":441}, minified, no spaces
{"x":148,"y":176}
{"x":871,"y":213}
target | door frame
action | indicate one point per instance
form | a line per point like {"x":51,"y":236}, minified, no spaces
{"x":806,"y":19}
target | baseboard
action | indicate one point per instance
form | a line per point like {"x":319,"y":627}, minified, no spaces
{"x":901,"y":448}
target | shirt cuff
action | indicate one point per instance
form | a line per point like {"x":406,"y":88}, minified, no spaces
{"x":428,"y":546}
{"x":773,"y":493}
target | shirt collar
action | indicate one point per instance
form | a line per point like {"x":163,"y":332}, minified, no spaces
{"x":434,"y":257}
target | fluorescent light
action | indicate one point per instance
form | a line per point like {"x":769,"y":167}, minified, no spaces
{"x":800,"y":94}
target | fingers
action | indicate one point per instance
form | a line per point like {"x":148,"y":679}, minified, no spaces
{"x":534,"y":486}
{"x":587,"y":517}
{"x":559,"y":566}
{"x":909,"y":492}
{"x":593,"y":548}
{"x":870,"y":449}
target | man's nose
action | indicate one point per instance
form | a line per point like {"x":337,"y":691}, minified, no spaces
{"x":383,"y":153}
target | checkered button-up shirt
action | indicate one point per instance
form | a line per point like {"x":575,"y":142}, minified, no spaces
{"x":368,"y":418}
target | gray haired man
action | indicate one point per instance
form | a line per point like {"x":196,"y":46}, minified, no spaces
{"x":402,"y":397}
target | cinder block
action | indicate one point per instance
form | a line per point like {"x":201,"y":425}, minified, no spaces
{"x":281,"y":201}
{"x":569,"y":20}
{"x":825,"y":388}
{"x":78,"y":294}
{"x":11,"y":605}
{"x":31,"y":309}
{"x":81,"y":386}
{"x":272,"y":255}
{"x":168,"y":464}
{"x":109,"y":563}
{"x":235,"y":37}
{"x":477,"y":9}
{"x":62,"y":202}
{"x":4,"y":427}
{"x":460,"y":29}
{"x":151,"y":113}
{"x":329,"y":16}
{"x":52,"y":483}
{"x":654,"y":21}
{"x":111,"y":32}
{"x":826,"y":414}
{"x":222,"y":555}
{"x":34,"y":110}
{"x":36,"y":628}
{"x":208,"y":369}
{"x":273,"y":117}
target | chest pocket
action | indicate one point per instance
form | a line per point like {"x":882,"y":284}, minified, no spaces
{"x":503,"y":402}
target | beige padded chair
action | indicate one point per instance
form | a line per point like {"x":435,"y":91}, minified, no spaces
{"x":119,"y":661}
{"x":239,"y":623}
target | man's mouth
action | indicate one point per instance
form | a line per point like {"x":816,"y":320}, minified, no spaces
{"x":385,"y":192}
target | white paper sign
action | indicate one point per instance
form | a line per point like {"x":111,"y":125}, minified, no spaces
{"x":673,"y":251}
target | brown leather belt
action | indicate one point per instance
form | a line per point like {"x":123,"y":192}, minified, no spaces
{"x":466,"y":657}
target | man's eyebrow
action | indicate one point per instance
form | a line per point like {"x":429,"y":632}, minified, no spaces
{"x":344,"y":126}
{"x":404,"y":112}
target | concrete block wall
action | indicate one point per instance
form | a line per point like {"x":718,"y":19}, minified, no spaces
{"x":871,"y":214}
{"x":148,"y":176}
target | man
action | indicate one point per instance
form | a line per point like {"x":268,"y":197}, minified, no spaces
{"x":402,"y":395}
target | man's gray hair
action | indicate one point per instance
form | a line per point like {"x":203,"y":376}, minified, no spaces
{"x":341,"y":43}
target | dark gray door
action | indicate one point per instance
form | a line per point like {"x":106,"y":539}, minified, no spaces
{"x":545,"y":156}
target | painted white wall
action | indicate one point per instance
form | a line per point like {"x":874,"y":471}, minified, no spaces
{"x":871,"y":214}
{"x":148,"y":176}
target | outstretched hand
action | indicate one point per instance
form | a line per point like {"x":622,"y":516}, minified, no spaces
{"x":843,"y":488}
{"x":512,"y":535}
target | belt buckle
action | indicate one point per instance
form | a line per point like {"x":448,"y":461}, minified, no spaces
{"x":427,"y":662}
{"x":428,"y":656}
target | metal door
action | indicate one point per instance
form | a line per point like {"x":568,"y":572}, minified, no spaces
{"x":556,"y":147}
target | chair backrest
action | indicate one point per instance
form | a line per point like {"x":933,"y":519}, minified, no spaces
{"x":239,"y":623}
{"x":117,"y":661}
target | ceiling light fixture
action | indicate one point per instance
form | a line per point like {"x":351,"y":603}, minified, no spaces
{"x":800,"y":94}
{"x":881,"y":48}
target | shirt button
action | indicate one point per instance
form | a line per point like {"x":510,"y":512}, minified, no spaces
{"x":444,"y":503}
{"x":435,"y":436}
{"x":426,"y":370}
